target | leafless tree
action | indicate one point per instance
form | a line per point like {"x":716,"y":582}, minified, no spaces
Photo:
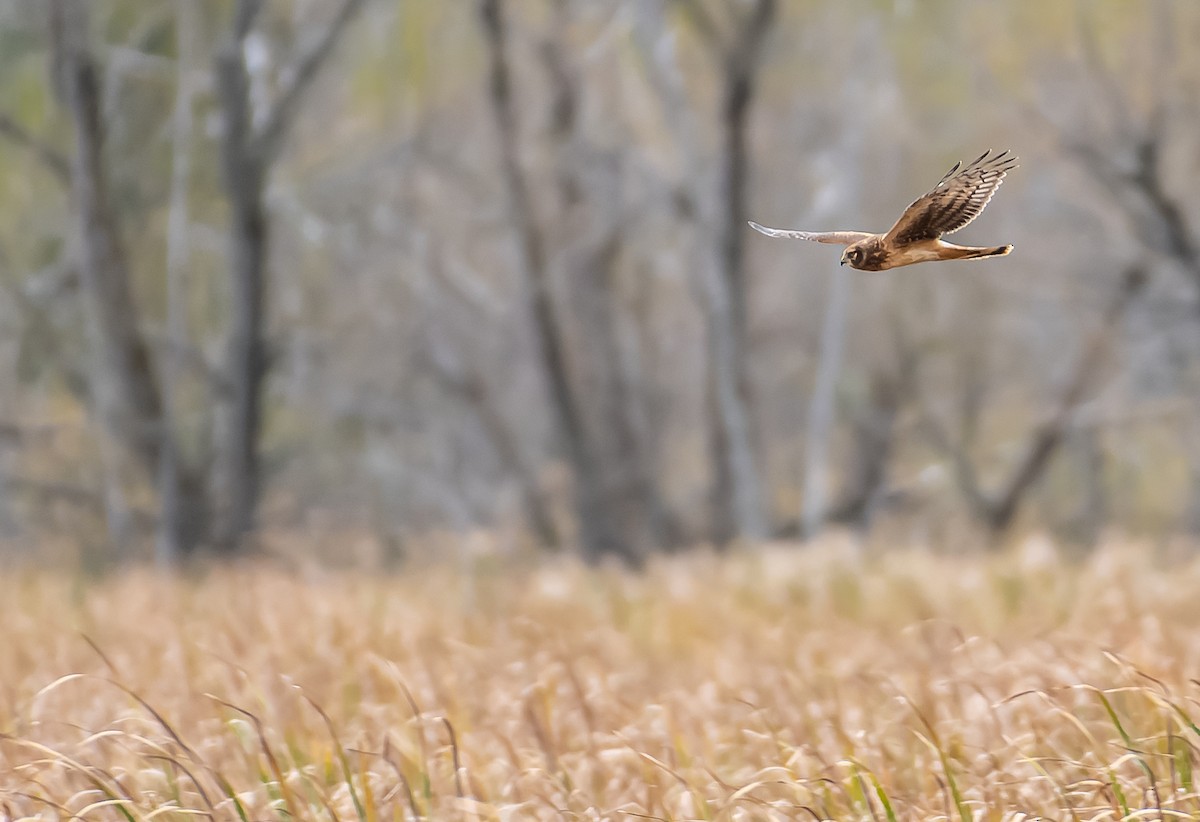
{"x":596,"y":531}
{"x":250,"y":147}
{"x":124,"y":388}
{"x":589,"y":183}
{"x":737,"y":501}
{"x":736,"y":47}
{"x":998,"y":510}
{"x":1122,"y":142}
{"x":136,"y":405}
{"x":521,"y":297}
{"x":617,"y":504}
{"x":122,"y":382}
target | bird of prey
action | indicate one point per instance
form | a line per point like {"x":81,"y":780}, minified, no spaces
{"x":916,"y":237}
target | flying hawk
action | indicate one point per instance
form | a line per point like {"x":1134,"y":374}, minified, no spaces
{"x":953,"y":203}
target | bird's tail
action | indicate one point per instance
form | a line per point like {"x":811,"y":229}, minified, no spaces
{"x":973,"y":253}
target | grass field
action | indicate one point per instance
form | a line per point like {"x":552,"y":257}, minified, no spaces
{"x":781,"y":684}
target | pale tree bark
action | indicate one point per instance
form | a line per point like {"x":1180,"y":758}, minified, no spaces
{"x":738,"y":505}
{"x":823,"y":405}
{"x":742,"y":57}
{"x":821,"y":416}
{"x":248,"y":153}
{"x":658,"y":46}
{"x":122,"y":384}
{"x":184,"y":520}
{"x":736,"y":500}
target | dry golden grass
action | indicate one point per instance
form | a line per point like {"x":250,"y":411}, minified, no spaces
{"x":777,"y":685}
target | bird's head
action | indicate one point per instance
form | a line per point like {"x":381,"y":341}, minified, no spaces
{"x":852,"y":255}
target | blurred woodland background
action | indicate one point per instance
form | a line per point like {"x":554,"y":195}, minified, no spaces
{"x":392,"y":273}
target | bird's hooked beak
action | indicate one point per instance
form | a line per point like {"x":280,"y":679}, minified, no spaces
{"x":843,"y":262}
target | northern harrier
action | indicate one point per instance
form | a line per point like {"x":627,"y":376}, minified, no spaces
{"x":916,"y":237}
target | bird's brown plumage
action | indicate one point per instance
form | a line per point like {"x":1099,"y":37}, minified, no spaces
{"x":957,"y":199}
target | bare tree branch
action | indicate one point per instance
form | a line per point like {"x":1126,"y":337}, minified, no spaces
{"x":1110,"y":88}
{"x":191,"y":359}
{"x":54,"y":160}
{"x":875,"y":425}
{"x":999,"y":510}
{"x":1050,"y":434}
{"x":1158,"y":219}
{"x":1147,"y":179}
{"x":301,"y":76}
{"x":472,"y":390}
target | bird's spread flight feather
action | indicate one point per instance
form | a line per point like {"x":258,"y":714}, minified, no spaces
{"x":838,"y":237}
{"x":955,"y":201}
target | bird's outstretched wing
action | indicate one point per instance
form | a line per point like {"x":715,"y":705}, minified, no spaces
{"x":954,"y":202}
{"x":838,"y":237}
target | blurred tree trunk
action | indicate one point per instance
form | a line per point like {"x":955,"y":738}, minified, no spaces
{"x":598,"y":533}
{"x":183,"y":498}
{"x":630,"y":496}
{"x":737,"y":501}
{"x":122,"y":382}
{"x":1131,"y":169}
{"x":873,"y":444}
{"x":246,"y":360}
{"x":658,"y":47}
{"x":592,"y":222}
{"x":736,"y":504}
{"x":247,"y":155}
{"x":1191,"y":514}
{"x":1087,"y":524}
{"x":823,"y":404}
